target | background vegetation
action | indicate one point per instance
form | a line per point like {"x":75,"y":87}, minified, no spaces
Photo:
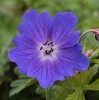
{"x":14,"y":86}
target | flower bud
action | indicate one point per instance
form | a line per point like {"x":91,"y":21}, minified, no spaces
{"x":96,"y":31}
{"x":89,"y":52}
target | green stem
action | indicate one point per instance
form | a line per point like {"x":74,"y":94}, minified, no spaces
{"x":80,"y":79}
{"x":84,"y":34}
{"x":47,"y":94}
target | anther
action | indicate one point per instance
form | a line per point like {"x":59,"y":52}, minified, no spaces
{"x":47,"y":48}
{"x":45,"y":43}
{"x":46,"y":52}
{"x":41,"y":48}
{"x":51,"y":43}
{"x":52,"y":49}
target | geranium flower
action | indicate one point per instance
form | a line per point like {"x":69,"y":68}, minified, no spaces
{"x":47,"y":48}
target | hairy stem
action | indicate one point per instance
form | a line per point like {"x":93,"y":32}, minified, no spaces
{"x":84,"y":34}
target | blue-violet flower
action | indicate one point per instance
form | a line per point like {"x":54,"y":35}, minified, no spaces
{"x":47,"y":48}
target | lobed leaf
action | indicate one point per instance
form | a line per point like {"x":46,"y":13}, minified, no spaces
{"x":20,"y":84}
{"x":93,"y":86}
{"x":71,"y":84}
{"x":77,"y":95}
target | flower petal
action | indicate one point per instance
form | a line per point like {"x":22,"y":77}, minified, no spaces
{"x":74,"y":58}
{"x":63,"y":24}
{"x":36,"y":25}
{"x":46,"y":73}
{"x":23,"y":41}
{"x":64,"y":69}
{"x":70,"y":40}
{"x":23,"y":58}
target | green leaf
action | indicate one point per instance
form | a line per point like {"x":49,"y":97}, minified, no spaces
{"x":40,"y":90}
{"x":77,"y":95}
{"x":88,"y":74}
{"x":95,"y":54}
{"x":95,"y":61}
{"x":93,"y":86}
{"x":89,"y":42}
{"x":20,"y":84}
{"x":71,"y":84}
{"x":81,"y":79}
{"x":60,"y":93}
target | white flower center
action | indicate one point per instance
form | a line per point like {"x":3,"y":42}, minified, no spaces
{"x":48,"y":51}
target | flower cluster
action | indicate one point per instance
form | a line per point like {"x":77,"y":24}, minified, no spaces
{"x":48,"y":48}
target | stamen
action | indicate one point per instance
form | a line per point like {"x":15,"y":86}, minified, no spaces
{"x":47,"y":48}
{"x":52,"y":49}
{"x":48,"y":43}
{"x":51,"y":43}
{"x":41,"y":48}
{"x":50,"y":52}
{"x":47,"y":52}
{"x":45,"y":43}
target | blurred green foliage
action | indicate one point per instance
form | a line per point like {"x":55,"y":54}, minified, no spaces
{"x":11,"y":12}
